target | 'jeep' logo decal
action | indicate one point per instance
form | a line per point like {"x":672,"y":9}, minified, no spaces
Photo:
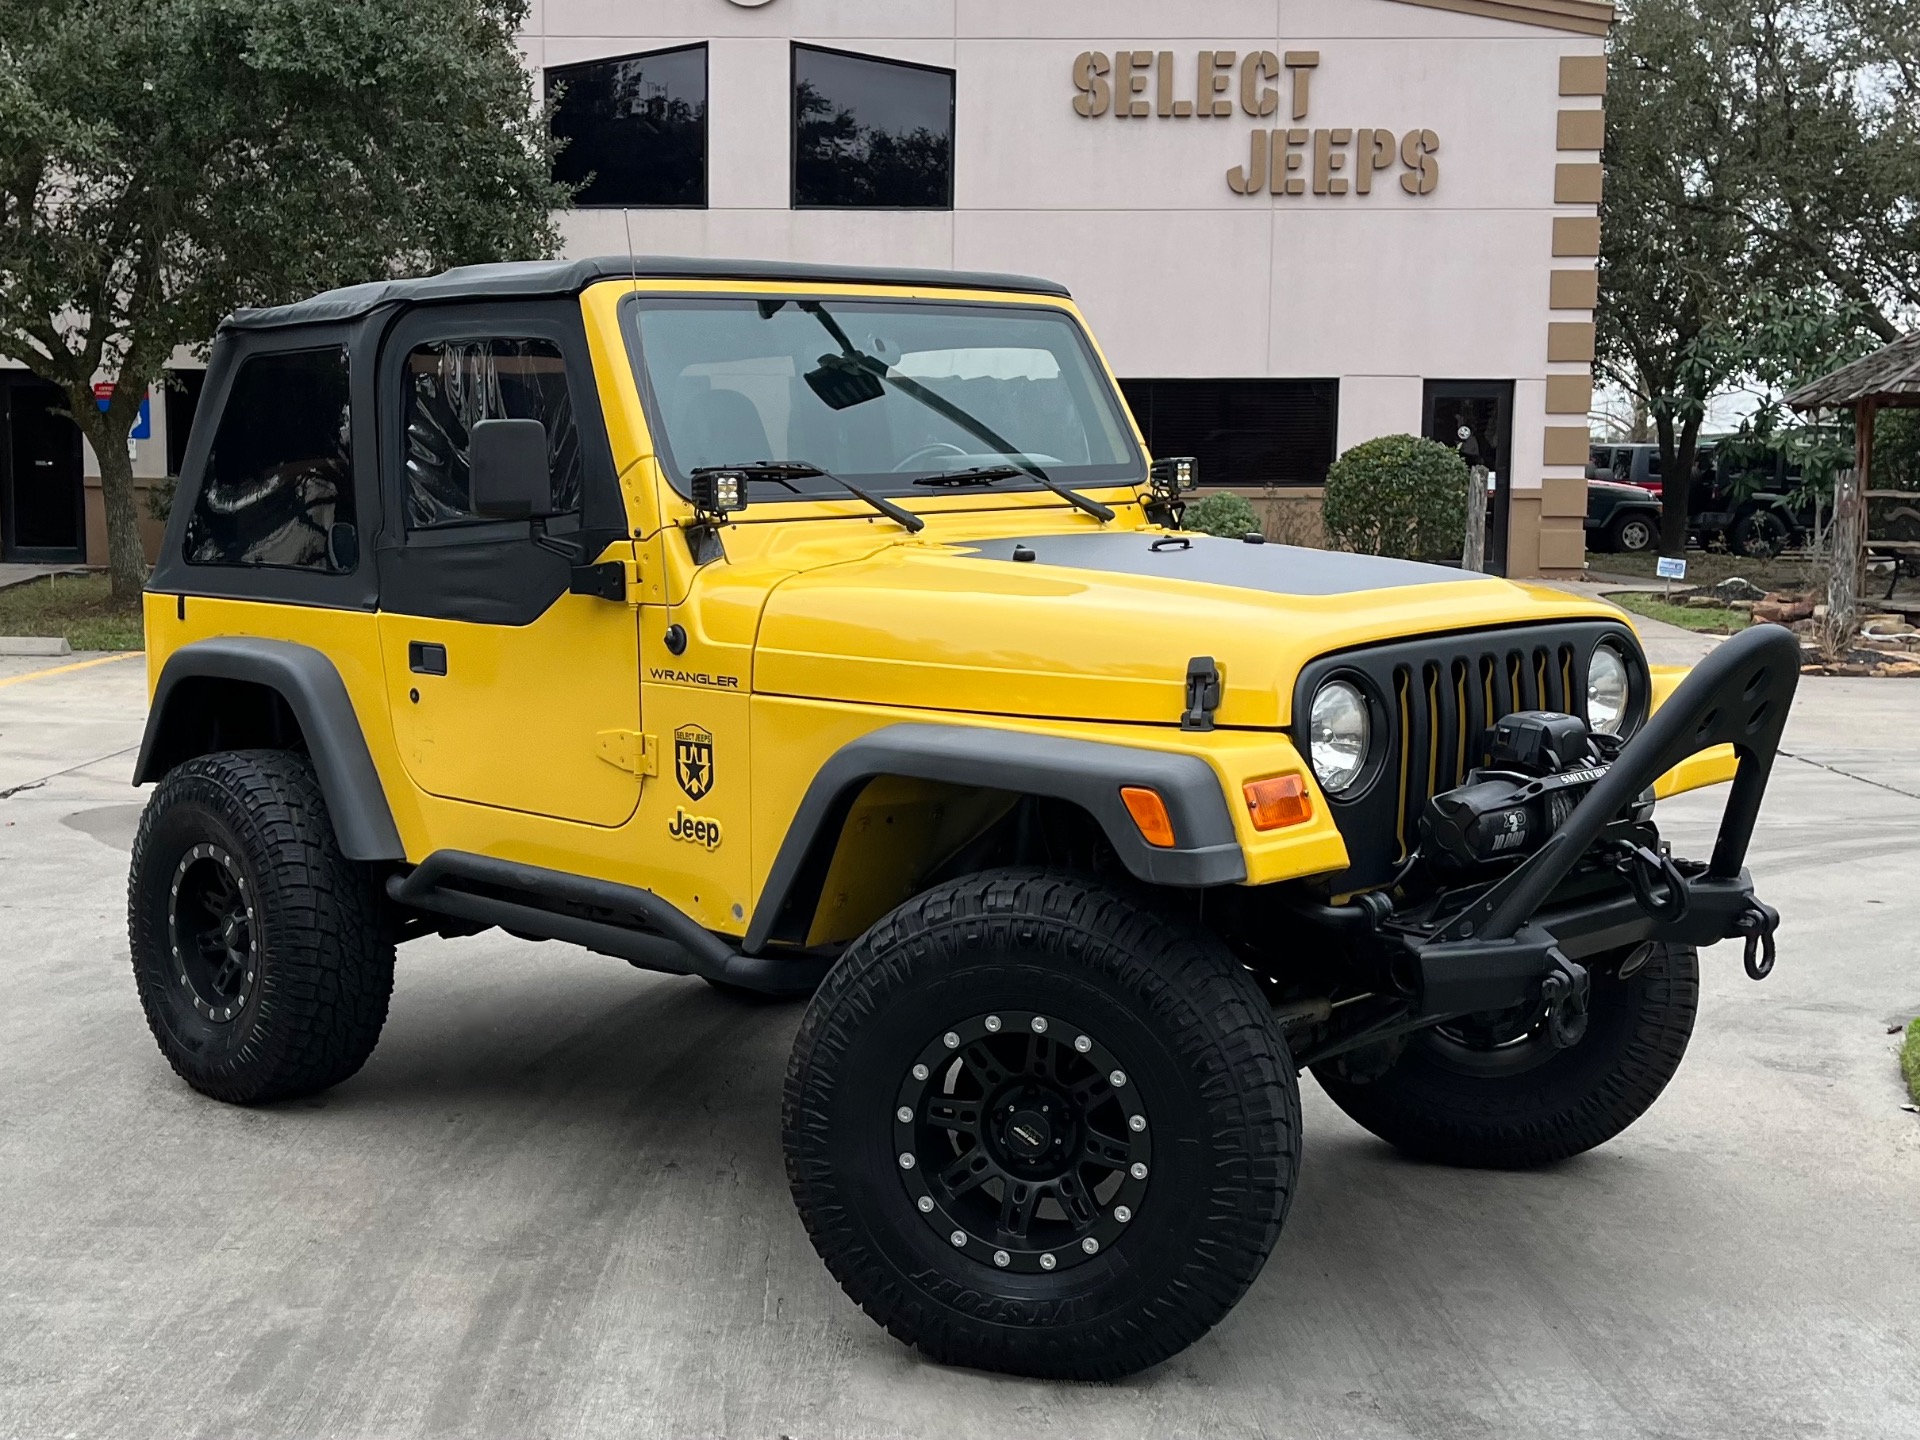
{"x":693,"y":760}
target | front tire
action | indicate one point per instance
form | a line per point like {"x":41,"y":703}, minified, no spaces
{"x":1033,"y":1127}
{"x":1632,"y":534}
{"x":1467,"y":1096}
{"x":258,"y":949}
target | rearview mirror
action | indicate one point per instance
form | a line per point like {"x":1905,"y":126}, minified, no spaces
{"x":507,"y":475}
{"x":843,"y":382}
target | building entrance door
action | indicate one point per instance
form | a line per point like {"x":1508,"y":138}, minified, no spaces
{"x":1475,"y":417}
{"x":42,"y":502}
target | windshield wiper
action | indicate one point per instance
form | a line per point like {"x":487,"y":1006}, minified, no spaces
{"x":976,"y":475}
{"x":940,"y":405}
{"x":783,"y":471}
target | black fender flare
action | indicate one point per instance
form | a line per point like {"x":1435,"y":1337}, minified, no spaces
{"x":1089,"y":773}
{"x":311,"y":686}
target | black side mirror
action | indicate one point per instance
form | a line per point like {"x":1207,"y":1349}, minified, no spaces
{"x":507,"y":475}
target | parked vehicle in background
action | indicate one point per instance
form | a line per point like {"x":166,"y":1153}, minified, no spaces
{"x":1621,"y":518}
{"x":1626,"y":465}
{"x":1741,"y":506}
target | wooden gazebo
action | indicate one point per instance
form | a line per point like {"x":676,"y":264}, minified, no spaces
{"x":1887,"y":379}
{"x":1887,"y":521}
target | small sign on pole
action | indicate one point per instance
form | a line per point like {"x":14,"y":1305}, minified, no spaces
{"x":1670,"y":568}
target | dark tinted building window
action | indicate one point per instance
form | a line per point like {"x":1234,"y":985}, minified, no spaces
{"x":871,"y":133}
{"x":635,"y":127}
{"x":1243,"y":432}
{"x":182,"y":390}
{"x":453,"y":383}
{"x":281,"y":470}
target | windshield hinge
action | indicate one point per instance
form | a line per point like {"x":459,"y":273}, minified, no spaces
{"x":1203,"y":693}
{"x":629,"y":750}
{"x":609,"y":580}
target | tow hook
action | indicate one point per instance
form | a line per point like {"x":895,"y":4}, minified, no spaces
{"x":1643,"y":869}
{"x":1564,"y":993}
{"x":1758,"y":922}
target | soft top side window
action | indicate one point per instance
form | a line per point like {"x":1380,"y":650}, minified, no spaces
{"x":450,"y":385}
{"x":279,"y":479}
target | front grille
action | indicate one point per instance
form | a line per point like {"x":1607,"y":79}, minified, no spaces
{"x":1433,"y":700}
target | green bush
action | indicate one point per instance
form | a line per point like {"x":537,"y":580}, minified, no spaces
{"x":1221,"y":514}
{"x":1910,"y":1060}
{"x":1399,"y":496}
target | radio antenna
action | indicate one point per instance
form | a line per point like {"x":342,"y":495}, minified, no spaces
{"x":633,"y":263}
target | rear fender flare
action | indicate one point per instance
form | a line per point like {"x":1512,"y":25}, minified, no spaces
{"x":310,"y":685}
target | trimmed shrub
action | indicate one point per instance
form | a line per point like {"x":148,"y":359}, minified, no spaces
{"x":1399,"y":496}
{"x":1221,"y":514}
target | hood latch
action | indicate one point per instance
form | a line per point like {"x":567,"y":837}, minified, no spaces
{"x":1203,"y":693}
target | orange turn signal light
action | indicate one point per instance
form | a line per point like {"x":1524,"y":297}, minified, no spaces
{"x":1277,"y":801}
{"x":1149,"y":812}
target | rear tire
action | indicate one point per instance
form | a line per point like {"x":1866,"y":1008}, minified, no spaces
{"x":996,"y":1012}
{"x":1509,"y":1108}
{"x":1760,"y":535}
{"x":258,"y":949}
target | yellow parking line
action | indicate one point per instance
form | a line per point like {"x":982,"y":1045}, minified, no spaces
{"x":67,"y":669}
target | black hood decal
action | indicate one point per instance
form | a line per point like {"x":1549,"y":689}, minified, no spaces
{"x":1209,"y":560}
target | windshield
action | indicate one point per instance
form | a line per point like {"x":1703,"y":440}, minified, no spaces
{"x":883,"y":393}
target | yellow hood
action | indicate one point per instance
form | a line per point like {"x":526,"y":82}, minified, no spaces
{"x":1101,"y":626}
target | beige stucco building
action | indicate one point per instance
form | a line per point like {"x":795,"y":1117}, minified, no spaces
{"x":1294,"y":224}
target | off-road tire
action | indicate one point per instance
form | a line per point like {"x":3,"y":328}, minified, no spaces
{"x":311,"y":1011}
{"x":1200,"y":1050}
{"x":1760,"y":535}
{"x":1569,"y":1102}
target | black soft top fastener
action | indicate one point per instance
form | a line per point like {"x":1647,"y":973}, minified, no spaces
{"x":537,"y":279}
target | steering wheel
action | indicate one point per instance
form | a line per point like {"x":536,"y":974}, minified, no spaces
{"x":929,"y":451}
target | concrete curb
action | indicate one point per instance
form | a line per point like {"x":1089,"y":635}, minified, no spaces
{"x":34,"y":645}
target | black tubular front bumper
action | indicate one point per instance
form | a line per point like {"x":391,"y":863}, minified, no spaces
{"x":1497,"y":951}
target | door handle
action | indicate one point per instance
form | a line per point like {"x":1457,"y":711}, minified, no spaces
{"x":426,"y":658}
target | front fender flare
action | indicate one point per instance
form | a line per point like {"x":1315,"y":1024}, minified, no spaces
{"x":311,"y":686}
{"x":1088,"y":773}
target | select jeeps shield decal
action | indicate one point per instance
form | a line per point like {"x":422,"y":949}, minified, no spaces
{"x":693,"y":760}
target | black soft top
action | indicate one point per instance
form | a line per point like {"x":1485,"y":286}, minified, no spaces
{"x":523,"y":279}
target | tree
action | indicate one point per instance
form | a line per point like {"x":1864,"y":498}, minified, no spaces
{"x":163,"y":162}
{"x":1762,"y":157}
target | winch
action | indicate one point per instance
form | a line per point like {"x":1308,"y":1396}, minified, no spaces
{"x":1541,"y":765}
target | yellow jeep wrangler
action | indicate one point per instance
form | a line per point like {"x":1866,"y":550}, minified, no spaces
{"x":829,"y":633}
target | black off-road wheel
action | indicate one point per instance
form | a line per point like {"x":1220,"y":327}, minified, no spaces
{"x":1492,"y":1091}
{"x":259,"y":952}
{"x":1033,"y":1127}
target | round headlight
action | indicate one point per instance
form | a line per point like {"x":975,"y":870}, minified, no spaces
{"x":1337,"y":748}
{"x":1608,"y":690}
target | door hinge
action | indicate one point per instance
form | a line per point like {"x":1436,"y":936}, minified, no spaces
{"x":629,"y":750}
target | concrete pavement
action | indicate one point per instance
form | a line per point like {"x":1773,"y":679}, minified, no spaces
{"x":553,"y":1202}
